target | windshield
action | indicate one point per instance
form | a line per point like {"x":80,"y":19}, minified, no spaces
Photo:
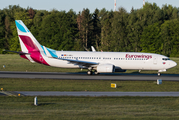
{"x":165,"y":59}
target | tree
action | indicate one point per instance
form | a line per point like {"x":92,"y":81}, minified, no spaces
{"x":85,"y":27}
{"x":106,"y":29}
{"x":170,"y":38}
{"x":150,"y":39}
{"x":58,"y":30}
{"x":31,"y":13}
{"x":2,"y":32}
{"x":96,"y":32}
{"x":119,"y":41}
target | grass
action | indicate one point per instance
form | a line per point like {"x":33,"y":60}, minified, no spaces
{"x":14,"y":62}
{"x":89,"y":108}
{"x":84,"y":85}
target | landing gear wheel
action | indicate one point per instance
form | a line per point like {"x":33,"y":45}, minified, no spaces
{"x":89,"y":72}
{"x":159,"y":74}
{"x":96,"y":73}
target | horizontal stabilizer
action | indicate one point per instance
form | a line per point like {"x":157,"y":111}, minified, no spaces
{"x":20,"y":53}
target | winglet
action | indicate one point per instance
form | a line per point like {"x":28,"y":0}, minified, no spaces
{"x":93,"y":49}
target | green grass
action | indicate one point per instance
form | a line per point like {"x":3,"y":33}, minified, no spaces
{"x":84,"y":85}
{"x":89,"y":108}
{"x":14,"y":62}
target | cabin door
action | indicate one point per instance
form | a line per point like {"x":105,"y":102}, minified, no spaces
{"x":155,"y":60}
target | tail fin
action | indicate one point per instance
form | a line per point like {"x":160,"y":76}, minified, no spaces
{"x":29,"y":44}
{"x":27,"y":40}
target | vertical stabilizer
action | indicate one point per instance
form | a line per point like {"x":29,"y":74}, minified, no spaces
{"x":27,"y":40}
{"x":29,"y":44}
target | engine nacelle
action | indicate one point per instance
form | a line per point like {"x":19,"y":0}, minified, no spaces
{"x":105,"y":68}
{"x":120,"y":70}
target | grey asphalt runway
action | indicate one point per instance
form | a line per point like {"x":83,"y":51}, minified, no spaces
{"x":98,"y":94}
{"x":84,"y":76}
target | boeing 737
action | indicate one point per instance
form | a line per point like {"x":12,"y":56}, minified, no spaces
{"x":95,"y":62}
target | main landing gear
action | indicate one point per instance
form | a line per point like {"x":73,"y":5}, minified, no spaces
{"x":90,"y":72}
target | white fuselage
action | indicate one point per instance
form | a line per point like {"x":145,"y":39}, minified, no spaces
{"x":121,"y":60}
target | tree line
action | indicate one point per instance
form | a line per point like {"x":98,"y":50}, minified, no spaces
{"x":149,"y":29}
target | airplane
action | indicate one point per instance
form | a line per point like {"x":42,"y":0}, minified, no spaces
{"x":95,"y":62}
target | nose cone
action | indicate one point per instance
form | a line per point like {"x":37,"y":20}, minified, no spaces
{"x":173,"y":64}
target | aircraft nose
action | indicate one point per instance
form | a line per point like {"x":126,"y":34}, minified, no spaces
{"x":173,"y":64}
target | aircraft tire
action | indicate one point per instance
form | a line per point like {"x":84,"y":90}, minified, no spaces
{"x":96,"y":73}
{"x":89,"y":72}
{"x":159,"y":74}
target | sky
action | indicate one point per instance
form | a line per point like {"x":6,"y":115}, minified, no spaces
{"x":79,"y":5}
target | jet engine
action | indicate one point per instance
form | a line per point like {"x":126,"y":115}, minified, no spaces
{"x":105,"y":68}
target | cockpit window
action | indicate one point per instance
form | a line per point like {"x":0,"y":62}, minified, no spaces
{"x":165,"y":59}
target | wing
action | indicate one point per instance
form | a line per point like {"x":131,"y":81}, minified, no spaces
{"x":79,"y":62}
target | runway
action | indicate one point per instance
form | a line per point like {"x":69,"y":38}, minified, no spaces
{"x":89,"y":94}
{"x":84,"y":76}
{"x":99,"y":94}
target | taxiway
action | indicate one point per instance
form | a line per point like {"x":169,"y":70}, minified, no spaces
{"x":98,"y":94}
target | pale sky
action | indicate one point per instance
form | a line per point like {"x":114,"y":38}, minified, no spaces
{"x":78,"y":5}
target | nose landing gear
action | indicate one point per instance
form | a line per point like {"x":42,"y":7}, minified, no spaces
{"x":159,"y":74}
